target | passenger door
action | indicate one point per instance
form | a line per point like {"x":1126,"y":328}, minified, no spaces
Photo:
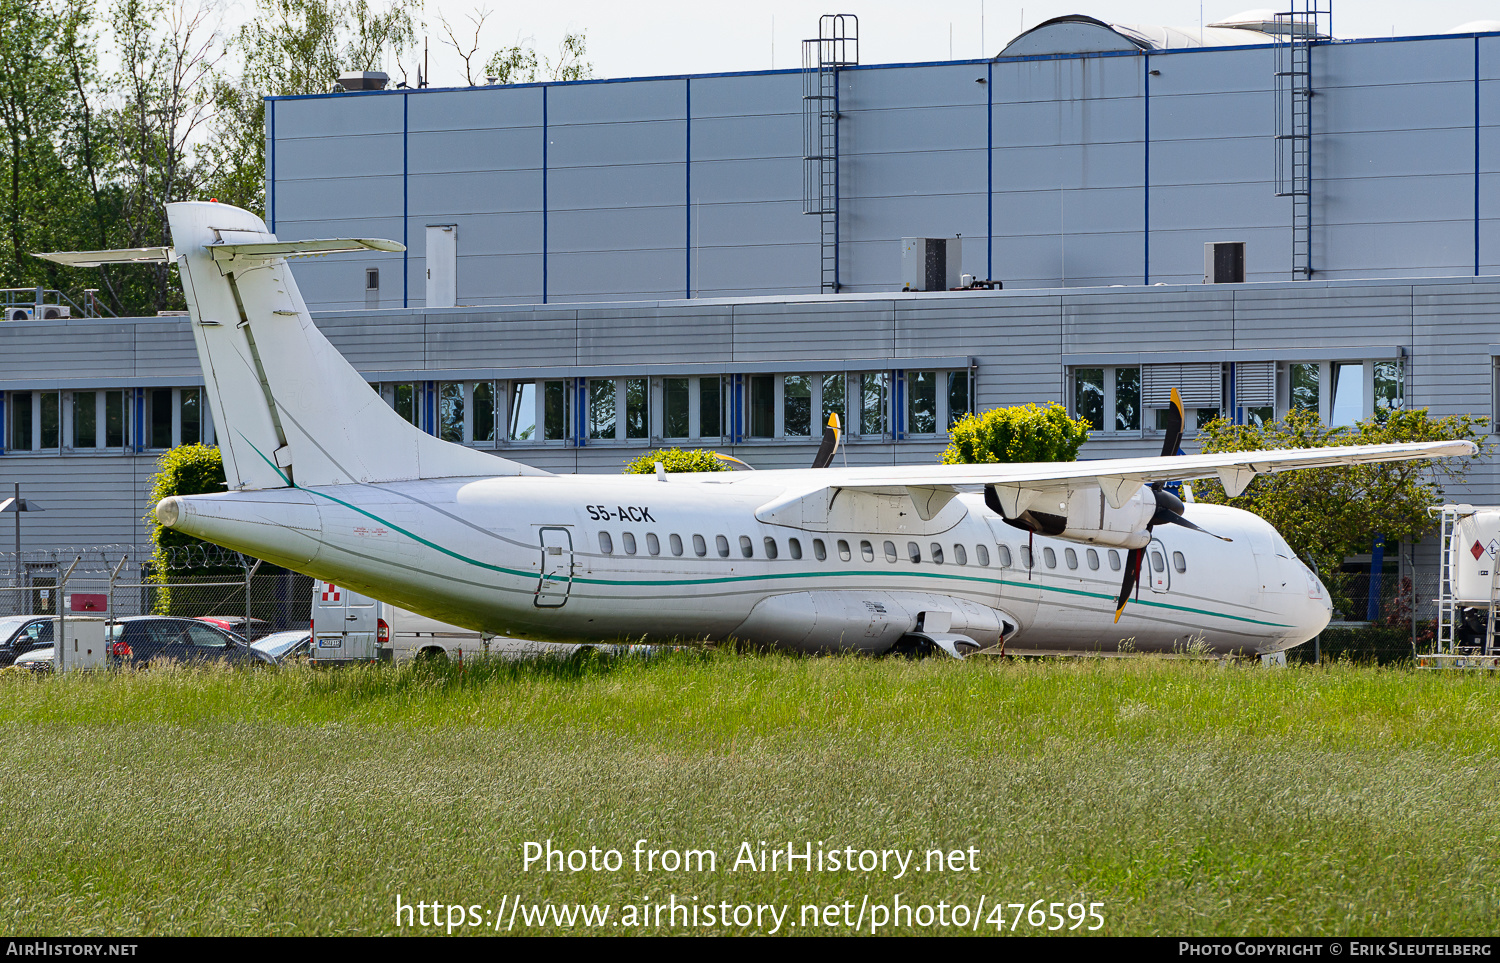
{"x":556,"y":581}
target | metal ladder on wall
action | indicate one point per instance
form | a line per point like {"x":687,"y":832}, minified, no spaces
{"x":837,"y":45}
{"x":1447,"y":634}
{"x":1298,"y":28}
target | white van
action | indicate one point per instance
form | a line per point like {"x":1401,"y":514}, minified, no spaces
{"x":349,"y":627}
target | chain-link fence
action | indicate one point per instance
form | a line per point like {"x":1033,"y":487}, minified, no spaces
{"x":237,"y":592}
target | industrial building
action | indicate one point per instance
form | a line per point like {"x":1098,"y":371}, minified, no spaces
{"x":1257,"y":214}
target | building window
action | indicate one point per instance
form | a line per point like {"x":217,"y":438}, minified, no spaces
{"x":1303,"y":386}
{"x":873,"y":388}
{"x":832,"y":401}
{"x":1390,"y":388}
{"x":921,"y":402}
{"x":601,"y":413}
{"x":1108,"y":398}
{"x":959,"y":404}
{"x":796,"y":406}
{"x":761,"y":413}
{"x":483,"y":426}
{"x":637,"y":400}
{"x":85,"y":420}
{"x":676,"y":407}
{"x":404,"y":400}
{"x":451,"y":412}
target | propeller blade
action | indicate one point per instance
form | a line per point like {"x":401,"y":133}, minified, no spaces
{"x":1179,"y":520}
{"x":830,"y":445}
{"x":733,"y":460}
{"x":1169,"y":509}
{"x":1132,"y":576}
{"x":1175,"y":419}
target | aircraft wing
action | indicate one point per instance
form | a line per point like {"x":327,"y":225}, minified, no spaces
{"x":1018,"y":485}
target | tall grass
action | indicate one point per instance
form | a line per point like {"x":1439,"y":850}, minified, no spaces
{"x":1188,"y":797}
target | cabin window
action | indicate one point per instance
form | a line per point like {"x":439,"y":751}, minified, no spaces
{"x":628,"y":540}
{"x":1049,"y":557}
{"x":844,"y":554}
{"x":1026,"y":559}
{"x":1004,"y":555}
{"x":770,"y":544}
{"x":676,"y":542}
{"x":1114,"y":560}
{"x":1071,"y":557}
{"x":1158,"y":564}
{"x":747,"y":547}
{"x":606,"y":544}
{"x":794,"y":548}
{"x":866,"y":551}
{"x":722,"y":544}
{"x":982,"y":555}
{"x":914,"y":552}
{"x":653,"y":545}
{"x":1178,"y":562}
{"x":700,"y":547}
{"x":959,"y":555}
{"x":1093,"y":560}
{"x":820,"y":551}
{"x":937,"y":554}
{"x":890,"y":551}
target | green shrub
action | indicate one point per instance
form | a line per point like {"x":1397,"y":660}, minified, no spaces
{"x":1023,"y":433}
{"x":675,"y":459}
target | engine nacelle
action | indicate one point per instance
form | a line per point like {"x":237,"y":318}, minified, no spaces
{"x":1084,"y":515}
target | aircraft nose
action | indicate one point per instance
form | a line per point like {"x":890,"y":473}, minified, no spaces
{"x":1313,"y":616}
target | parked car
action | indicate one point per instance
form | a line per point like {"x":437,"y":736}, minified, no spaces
{"x":282,"y":646}
{"x":20,"y":634}
{"x":141,"y":639}
{"x":236,"y":625}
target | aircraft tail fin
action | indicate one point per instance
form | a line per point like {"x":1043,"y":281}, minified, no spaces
{"x":291,"y":410}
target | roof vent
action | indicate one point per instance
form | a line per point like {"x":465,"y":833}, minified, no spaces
{"x":361,"y":80}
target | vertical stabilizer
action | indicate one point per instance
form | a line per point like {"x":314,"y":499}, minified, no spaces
{"x":292,"y":410}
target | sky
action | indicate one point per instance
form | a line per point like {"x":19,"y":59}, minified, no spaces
{"x":653,"y":37}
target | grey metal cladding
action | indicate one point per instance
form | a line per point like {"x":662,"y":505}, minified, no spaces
{"x":847,"y":329}
{"x":1182,"y":319}
{"x":670,"y":334}
{"x":166,"y":349}
{"x":388,"y":341}
{"x":43,"y":349}
{"x":491,"y":108}
{"x":1332,"y":317}
{"x":509,"y":338}
{"x":90,"y":499}
{"x":472,"y":151}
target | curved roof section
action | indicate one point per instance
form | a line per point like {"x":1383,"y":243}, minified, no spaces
{"x":1077,"y":33}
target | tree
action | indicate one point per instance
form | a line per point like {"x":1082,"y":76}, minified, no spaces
{"x":1024,"y":433}
{"x":169,"y":51}
{"x":1330,"y":513}
{"x":184,"y":470}
{"x":293,"y":47}
{"x":518,"y":63}
{"x":675,"y":459}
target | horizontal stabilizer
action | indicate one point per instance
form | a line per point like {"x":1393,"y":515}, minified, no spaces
{"x":311,"y":248}
{"x":134,"y":255}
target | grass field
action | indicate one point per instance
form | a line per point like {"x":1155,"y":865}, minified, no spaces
{"x":1187,"y":798}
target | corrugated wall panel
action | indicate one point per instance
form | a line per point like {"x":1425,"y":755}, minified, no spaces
{"x":535,"y":338}
{"x":813,"y":331}
{"x":673,"y":334}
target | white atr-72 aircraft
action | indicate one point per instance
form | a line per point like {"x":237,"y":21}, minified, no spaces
{"x":324,"y":478}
